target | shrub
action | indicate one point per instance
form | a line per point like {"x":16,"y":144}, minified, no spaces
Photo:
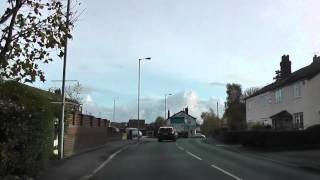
{"x":232,"y":137}
{"x":26,"y":130}
{"x":280,"y":139}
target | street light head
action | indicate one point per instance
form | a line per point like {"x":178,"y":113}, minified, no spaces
{"x":170,"y":94}
{"x":148,"y":58}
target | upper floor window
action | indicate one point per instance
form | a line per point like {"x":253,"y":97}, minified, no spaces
{"x":263,"y":100}
{"x":297,"y":89}
{"x":278,"y":96}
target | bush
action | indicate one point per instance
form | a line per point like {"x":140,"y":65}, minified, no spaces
{"x":271,"y":139}
{"x":232,"y":137}
{"x":26,"y":130}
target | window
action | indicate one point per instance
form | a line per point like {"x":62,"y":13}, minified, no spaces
{"x":278,"y":96}
{"x":249,"y":105}
{"x":263,"y":100}
{"x":298,"y":120}
{"x":297,"y":90}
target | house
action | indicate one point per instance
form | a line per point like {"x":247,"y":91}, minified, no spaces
{"x":184,"y":123}
{"x":134,"y":123}
{"x":291,"y":102}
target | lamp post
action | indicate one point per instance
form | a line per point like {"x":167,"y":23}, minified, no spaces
{"x":114,"y":110}
{"x":165,"y":104}
{"x":148,"y":58}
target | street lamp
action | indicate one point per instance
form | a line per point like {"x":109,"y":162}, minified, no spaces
{"x":148,"y":58}
{"x":165,"y":104}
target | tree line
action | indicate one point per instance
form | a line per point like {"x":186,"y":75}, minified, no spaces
{"x":234,"y":117}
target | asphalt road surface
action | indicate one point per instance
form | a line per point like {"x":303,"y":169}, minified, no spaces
{"x":189,"y":159}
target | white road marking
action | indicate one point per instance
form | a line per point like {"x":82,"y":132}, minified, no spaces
{"x":103,"y":164}
{"x":179,"y":147}
{"x":193,"y":155}
{"x":226,"y":172}
{"x":220,"y":145}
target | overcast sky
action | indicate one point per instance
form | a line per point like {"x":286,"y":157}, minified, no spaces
{"x":196,"y":47}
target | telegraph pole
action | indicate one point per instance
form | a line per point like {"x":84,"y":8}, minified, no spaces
{"x":61,"y":121}
{"x":114,"y":110}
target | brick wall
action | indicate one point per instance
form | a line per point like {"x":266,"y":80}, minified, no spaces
{"x":85,"y":132}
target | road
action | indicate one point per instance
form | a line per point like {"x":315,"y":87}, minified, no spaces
{"x":189,"y":159}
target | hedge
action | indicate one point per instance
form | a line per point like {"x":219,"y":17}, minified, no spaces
{"x":272,"y":139}
{"x":26,"y":131}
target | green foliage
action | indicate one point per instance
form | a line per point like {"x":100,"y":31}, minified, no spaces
{"x":160,"y":121}
{"x":235,"y":108}
{"x":26,"y":130}
{"x":32,"y":32}
{"x":211,"y":123}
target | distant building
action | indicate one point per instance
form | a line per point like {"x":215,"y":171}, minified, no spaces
{"x":133,"y":123}
{"x":291,"y":102}
{"x":184,"y":123}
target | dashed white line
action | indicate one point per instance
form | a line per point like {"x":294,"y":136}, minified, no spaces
{"x":179,"y":147}
{"x":226,"y":172}
{"x":193,"y":155}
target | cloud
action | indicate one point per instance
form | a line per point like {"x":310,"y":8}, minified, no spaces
{"x":152,"y":107}
{"x":217,"y":84}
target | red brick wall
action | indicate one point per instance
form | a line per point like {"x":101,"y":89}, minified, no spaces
{"x":79,"y":138}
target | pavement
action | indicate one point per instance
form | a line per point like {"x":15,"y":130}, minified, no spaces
{"x":307,"y":158}
{"x":185,"y":159}
{"x":77,"y":166}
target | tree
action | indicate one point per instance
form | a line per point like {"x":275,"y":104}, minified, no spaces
{"x":249,"y":92}
{"x":74,"y":93}
{"x":211,"y":122}
{"x":235,"y":107}
{"x":32,"y":32}
{"x":160,"y":121}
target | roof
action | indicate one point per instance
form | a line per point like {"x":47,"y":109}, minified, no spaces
{"x":184,"y":113}
{"x":177,"y":120}
{"x":307,"y":72}
{"x":281,"y":114}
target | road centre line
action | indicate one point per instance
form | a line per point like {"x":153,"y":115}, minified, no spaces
{"x":225,"y":172}
{"x":179,"y":147}
{"x":193,"y":155}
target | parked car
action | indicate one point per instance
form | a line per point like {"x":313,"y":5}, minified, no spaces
{"x":167,"y":133}
{"x":132,"y":133}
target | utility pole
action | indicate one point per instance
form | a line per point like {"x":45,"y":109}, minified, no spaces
{"x":217,"y":109}
{"x":148,"y":58}
{"x":114,"y":110}
{"x":165,"y":105}
{"x":61,"y":122}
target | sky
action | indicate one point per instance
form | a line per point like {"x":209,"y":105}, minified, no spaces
{"x":196,"y":46}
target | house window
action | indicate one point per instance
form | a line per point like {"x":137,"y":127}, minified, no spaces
{"x":278,"y":96}
{"x":263,"y":101}
{"x":298,"y":120}
{"x":297,"y":90}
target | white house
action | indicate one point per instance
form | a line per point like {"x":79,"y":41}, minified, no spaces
{"x":291,"y":102}
{"x":184,"y":123}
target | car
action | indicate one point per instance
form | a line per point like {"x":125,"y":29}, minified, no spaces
{"x":167,"y":133}
{"x":199,"y":135}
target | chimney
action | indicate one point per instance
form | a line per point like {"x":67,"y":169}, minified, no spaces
{"x":168,"y":114}
{"x":316,"y":59}
{"x":285,"y":66}
{"x":186,"y":110}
